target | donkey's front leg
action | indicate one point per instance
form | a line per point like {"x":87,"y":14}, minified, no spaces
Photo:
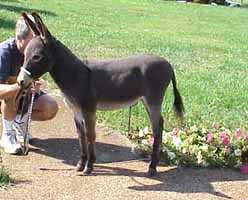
{"x":82,"y":143}
{"x":90,"y":122}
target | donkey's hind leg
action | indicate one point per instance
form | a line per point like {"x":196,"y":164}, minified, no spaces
{"x":82,"y":142}
{"x":90,"y":122}
{"x":154,"y":112}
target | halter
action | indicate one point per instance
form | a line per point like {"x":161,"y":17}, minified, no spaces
{"x":25,"y":71}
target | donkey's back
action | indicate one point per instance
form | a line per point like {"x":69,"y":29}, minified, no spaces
{"x":129,"y":78}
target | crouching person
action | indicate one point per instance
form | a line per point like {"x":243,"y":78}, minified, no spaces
{"x":44,"y":107}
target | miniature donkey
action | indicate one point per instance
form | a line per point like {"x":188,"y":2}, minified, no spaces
{"x":89,"y":85}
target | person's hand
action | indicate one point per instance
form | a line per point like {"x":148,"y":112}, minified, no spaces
{"x":36,"y":86}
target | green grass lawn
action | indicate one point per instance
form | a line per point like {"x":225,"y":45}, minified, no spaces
{"x":207,"y":46}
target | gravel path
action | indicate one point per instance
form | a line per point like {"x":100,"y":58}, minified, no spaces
{"x":48,"y":171}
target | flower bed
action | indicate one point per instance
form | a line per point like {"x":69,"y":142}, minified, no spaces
{"x":199,"y":147}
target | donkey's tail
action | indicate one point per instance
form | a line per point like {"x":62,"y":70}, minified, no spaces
{"x":178,"y":102}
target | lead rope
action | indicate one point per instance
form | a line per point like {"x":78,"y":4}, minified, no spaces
{"x":26,"y":139}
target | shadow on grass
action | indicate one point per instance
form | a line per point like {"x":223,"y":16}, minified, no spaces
{"x":182,"y":180}
{"x":244,"y":6}
{"x":7,"y":24}
{"x":19,"y":9}
{"x":9,"y":0}
{"x":10,"y":24}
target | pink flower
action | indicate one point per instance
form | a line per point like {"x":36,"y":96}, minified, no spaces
{"x":244,"y":168}
{"x":225,"y":138}
{"x":209,"y":137}
{"x":151,"y":140}
{"x":238,"y":134}
{"x":175,"y":131}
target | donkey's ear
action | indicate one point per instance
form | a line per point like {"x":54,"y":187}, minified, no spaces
{"x":44,"y":33}
{"x":30,"y":23}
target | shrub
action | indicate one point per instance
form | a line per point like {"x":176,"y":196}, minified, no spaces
{"x":200,"y":147}
{"x":4,"y":177}
{"x":201,"y":1}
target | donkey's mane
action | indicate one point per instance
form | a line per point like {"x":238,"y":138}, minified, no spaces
{"x":68,"y":69}
{"x":69,"y":55}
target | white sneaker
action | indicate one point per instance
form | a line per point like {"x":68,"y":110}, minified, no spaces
{"x":9,"y":143}
{"x":20,"y":128}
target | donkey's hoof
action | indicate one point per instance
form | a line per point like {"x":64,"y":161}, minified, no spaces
{"x":152,"y":172}
{"x":87,"y":170}
{"x":80,"y":166}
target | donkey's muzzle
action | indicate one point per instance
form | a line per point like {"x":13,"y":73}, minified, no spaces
{"x":24,"y":78}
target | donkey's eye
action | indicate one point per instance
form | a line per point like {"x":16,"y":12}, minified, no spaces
{"x":36,"y":58}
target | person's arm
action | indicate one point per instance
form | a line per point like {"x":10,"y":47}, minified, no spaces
{"x":36,"y":87}
{"x":8,"y":90}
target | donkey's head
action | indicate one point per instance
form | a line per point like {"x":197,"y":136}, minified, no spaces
{"x":38,"y":57}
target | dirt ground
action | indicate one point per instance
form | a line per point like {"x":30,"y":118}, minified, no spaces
{"x":48,"y":171}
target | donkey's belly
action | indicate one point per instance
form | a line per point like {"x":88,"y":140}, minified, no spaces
{"x":116,"y":105}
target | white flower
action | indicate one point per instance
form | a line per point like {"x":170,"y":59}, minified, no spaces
{"x":237,"y":152}
{"x":204,"y":148}
{"x":199,"y":158}
{"x":193,"y":128}
{"x":171,"y":155}
{"x":141,"y":133}
{"x":238,"y":164}
{"x":166,"y":137}
{"x":205,"y":163}
{"x":164,"y":133}
{"x":164,"y":149}
{"x":146,"y":130}
{"x":204,"y":130}
{"x":177,"y":141}
{"x":184,"y":150}
{"x":144,"y":141}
